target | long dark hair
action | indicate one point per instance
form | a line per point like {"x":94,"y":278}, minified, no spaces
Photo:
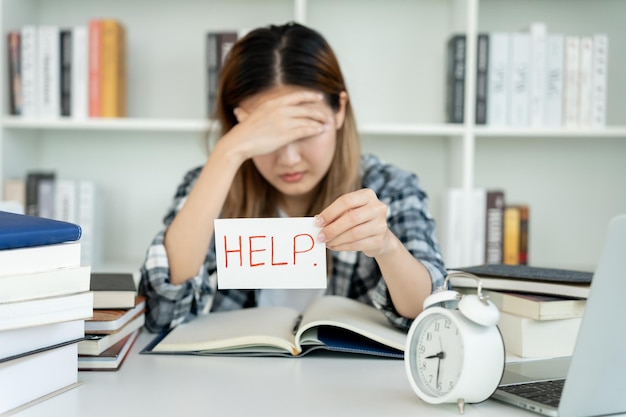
{"x":290,"y":54}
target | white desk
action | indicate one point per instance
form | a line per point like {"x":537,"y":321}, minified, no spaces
{"x":316,"y":385}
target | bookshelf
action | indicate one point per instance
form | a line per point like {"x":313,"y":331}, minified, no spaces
{"x":572,"y":179}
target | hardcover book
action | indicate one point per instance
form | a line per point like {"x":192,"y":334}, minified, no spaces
{"x":331,"y":323}
{"x":528,"y":338}
{"x":95,"y":344}
{"x":113,"y":290}
{"x":21,"y":231}
{"x":105,"y":321}
{"x":524,"y":278}
{"x":111,"y":359}
{"x":537,"y":306}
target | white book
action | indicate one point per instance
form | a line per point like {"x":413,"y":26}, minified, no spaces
{"x":452,"y":227}
{"x":95,"y":344}
{"x":80,"y":73}
{"x":39,"y":258}
{"x":76,"y":201}
{"x":555,"y":54}
{"x":49,"y":71}
{"x":32,"y":377}
{"x":599,"y":79}
{"x":27,"y":340}
{"x":48,"y":283}
{"x":529,"y":338}
{"x":538,"y":34}
{"x":90,"y":220}
{"x":47,"y":310}
{"x":498,"y":73}
{"x":519,"y":82}
{"x":585,"y":83}
{"x":29,"y":71}
{"x":570,"y":82}
{"x":65,"y":201}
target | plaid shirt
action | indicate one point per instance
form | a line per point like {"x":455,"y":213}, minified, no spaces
{"x":354,"y":274}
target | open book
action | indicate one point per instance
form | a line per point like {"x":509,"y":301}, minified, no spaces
{"x":331,"y":322}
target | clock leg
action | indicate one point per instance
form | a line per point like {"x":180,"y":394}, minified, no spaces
{"x":461,"y":403}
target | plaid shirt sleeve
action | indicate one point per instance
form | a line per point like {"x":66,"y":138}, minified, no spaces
{"x":358,"y":276}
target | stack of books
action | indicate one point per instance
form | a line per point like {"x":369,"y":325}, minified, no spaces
{"x":540,"y":308}
{"x":117,"y":319}
{"x":44,"y":302}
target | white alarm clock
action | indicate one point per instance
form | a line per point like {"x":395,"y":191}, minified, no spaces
{"x":454,"y":350}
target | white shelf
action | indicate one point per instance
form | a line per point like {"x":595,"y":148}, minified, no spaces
{"x":119,"y":124}
{"x":606,"y":132}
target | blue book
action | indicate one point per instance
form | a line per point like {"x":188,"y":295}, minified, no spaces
{"x":22,"y":231}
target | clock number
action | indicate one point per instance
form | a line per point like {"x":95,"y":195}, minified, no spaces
{"x":429,"y":336}
{"x":422,"y":349}
{"x":437,"y":326}
{"x":447,"y":324}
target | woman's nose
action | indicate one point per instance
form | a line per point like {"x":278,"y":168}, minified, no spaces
{"x":289,"y":154}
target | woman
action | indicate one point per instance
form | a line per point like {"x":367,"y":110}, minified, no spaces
{"x":289,"y":147}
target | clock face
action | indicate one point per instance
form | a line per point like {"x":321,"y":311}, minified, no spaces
{"x":437,"y":353}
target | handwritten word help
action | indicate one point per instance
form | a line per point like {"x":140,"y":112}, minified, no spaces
{"x":269,"y":253}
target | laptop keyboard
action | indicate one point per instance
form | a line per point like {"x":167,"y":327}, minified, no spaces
{"x":544,"y":392}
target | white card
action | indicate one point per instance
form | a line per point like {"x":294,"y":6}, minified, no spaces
{"x":269,"y":253}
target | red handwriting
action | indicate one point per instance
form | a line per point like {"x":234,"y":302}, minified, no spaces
{"x":257,"y":249}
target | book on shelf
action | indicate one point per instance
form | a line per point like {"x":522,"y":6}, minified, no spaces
{"x":486,"y":210}
{"x":41,"y":284}
{"x":28,"y":340}
{"x":40,"y":311}
{"x":555,"y":49}
{"x":40,"y":193}
{"x":571,"y":80}
{"x":529,"y":338}
{"x":330,"y":323}
{"x":79,"y":201}
{"x":519,"y":81}
{"x":111,"y":359}
{"x":585,"y":83}
{"x":15,"y":72}
{"x":455,"y":79}
{"x":515,"y":237}
{"x":599,"y":79}
{"x":15,"y":190}
{"x":48,"y":71}
{"x":94,"y":67}
{"x":494,"y":226}
{"x":95,"y":344}
{"x":482,"y":75}
{"x":113,"y":69}
{"x":79,"y":92}
{"x":66,"y":72}
{"x":218,"y":44}
{"x":105,"y":321}
{"x":113,"y":290}
{"x":537,"y":71}
{"x":29,"y":57}
{"x":498,"y":73}
{"x":537,"y":306}
{"x":524,"y":278}
{"x":22,"y":231}
{"x":33,"y":378}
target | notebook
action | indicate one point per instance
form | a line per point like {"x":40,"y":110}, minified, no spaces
{"x":593,"y":380}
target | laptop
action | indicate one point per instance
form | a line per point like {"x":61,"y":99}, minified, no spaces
{"x":593,"y":380}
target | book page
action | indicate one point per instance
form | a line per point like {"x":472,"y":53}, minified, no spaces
{"x":223,"y":330}
{"x":352,"y":315}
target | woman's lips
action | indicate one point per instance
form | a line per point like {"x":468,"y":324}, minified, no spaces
{"x":292,"y":177}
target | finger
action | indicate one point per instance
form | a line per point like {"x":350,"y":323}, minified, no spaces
{"x":343,"y":204}
{"x":300,"y":97}
{"x":303,"y":111}
{"x":360,"y":237}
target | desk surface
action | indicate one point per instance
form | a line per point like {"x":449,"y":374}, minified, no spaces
{"x":159,"y":385}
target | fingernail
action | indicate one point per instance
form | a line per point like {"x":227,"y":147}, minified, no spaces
{"x":321,"y":237}
{"x":318,"y":220}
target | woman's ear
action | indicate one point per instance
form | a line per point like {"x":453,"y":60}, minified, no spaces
{"x":340,"y":115}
